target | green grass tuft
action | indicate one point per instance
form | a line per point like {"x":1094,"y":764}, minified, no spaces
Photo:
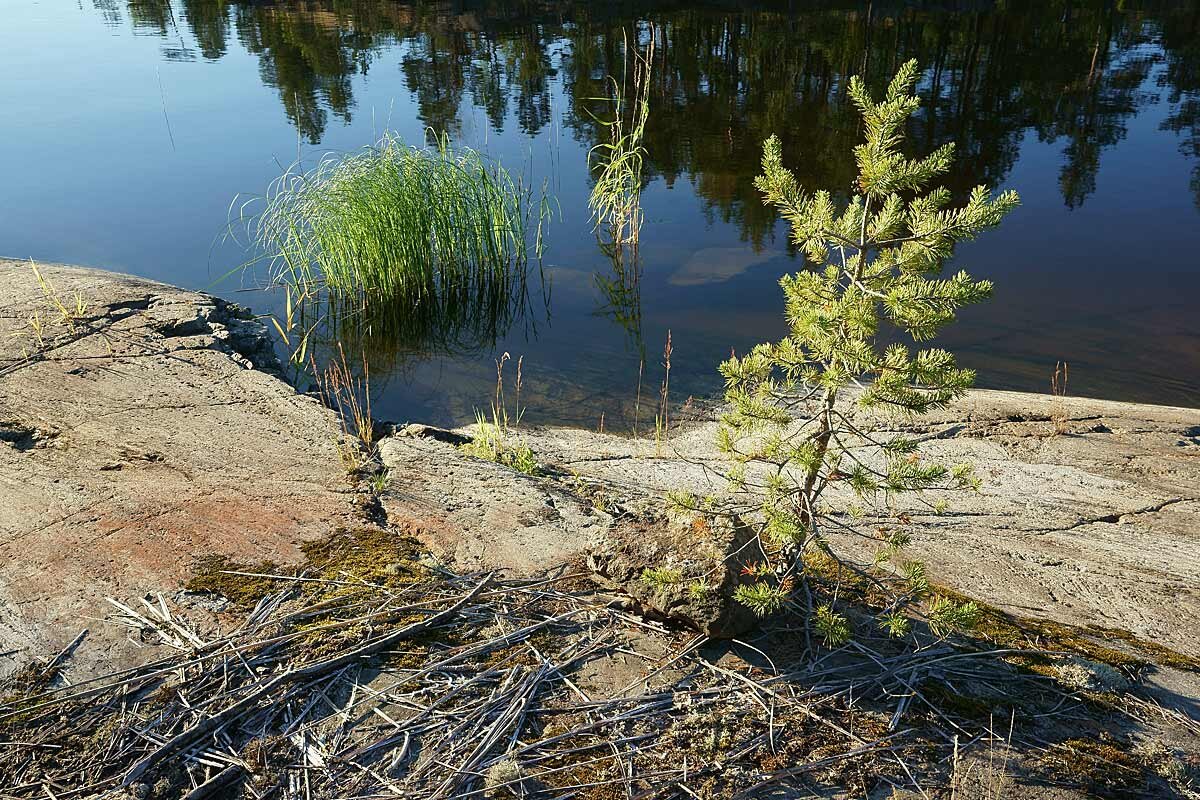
{"x":426,"y":227}
{"x":492,"y":441}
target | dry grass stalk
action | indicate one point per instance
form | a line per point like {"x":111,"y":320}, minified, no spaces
{"x":1058,"y":388}
{"x":662,"y":420}
{"x":71,"y":312}
{"x":637,"y":403}
{"x":350,"y":396}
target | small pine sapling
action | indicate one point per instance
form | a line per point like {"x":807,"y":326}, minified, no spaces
{"x":875,"y":261}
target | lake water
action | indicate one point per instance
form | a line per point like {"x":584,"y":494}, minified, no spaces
{"x":131,"y":126}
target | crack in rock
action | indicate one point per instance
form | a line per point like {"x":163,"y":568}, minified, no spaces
{"x":1115,"y":517}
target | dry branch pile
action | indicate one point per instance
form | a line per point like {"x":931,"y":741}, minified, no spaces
{"x":420,"y":683}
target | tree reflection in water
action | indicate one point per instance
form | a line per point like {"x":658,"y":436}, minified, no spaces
{"x":732,"y":73}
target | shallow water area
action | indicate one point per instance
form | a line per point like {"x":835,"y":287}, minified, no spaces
{"x":172,"y":110}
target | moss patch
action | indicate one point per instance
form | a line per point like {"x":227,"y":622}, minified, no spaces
{"x":344,"y":558}
{"x":213,"y":575}
{"x":1005,"y":630}
{"x":1101,"y":763}
{"x":370,"y":555}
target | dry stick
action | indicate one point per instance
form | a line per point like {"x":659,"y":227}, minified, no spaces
{"x":511,"y":716}
{"x":217,"y":648}
{"x":480,"y":648}
{"x":774,"y":778}
{"x":222,"y":780}
{"x":191,"y":736}
{"x":66,"y":651}
{"x":802,"y":707}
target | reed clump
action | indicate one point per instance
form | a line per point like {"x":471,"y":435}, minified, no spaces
{"x":427,"y":226}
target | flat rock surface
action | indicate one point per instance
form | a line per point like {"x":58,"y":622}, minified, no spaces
{"x":134,"y":439}
{"x":1098,"y":524}
{"x":484,"y":515}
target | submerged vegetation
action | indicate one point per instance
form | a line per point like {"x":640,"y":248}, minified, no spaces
{"x":790,"y":432}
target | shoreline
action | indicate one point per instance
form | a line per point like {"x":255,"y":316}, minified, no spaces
{"x":9,"y":261}
{"x":173,"y":436}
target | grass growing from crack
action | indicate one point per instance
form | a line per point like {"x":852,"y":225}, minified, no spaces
{"x":492,"y":441}
{"x":62,"y":310}
{"x":71,"y":311}
{"x":495,"y":439}
{"x":380,"y":480}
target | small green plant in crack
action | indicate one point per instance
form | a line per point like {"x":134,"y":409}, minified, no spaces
{"x":594,"y":493}
{"x":661,"y":577}
{"x":491,"y":441}
{"x":379,"y":481}
{"x":522,"y":459}
{"x":495,"y":439}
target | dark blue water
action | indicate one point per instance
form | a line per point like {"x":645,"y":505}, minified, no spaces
{"x":132,"y":125}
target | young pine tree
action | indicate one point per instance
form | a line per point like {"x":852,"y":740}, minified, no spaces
{"x":876,"y":257}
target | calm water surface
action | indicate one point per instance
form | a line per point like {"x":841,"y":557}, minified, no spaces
{"x":131,"y":126}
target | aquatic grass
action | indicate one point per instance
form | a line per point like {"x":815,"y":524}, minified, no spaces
{"x":399,"y":250}
{"x":425,"y":226}
{"x":621,"y":292}
{"x":615,"y":200}
{"x":464,"y":321}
